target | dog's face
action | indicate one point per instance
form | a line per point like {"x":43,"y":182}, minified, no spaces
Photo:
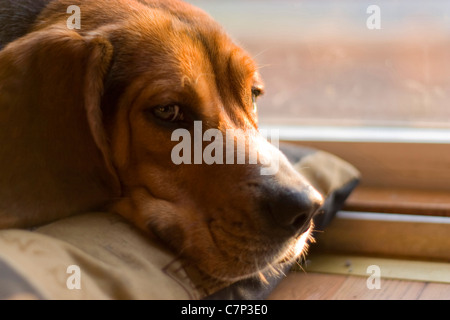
{"x":229,"y":219}
{"x":138,"y":72}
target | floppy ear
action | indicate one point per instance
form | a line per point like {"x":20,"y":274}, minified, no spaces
{"x":51,"y":133}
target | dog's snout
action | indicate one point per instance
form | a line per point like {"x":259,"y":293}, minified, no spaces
{"x":293,"y":210}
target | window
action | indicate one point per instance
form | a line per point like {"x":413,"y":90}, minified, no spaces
{"x":326,"y":63}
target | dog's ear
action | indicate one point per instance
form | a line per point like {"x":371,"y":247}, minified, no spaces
{"x":51,"y":84}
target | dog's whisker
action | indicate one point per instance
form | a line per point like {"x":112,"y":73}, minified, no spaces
{"x":275,"y":271}
{"x":263,"y":278}
{"x":301,"y":267}
{"x":263,"y":66}
{"x":260,"y":53}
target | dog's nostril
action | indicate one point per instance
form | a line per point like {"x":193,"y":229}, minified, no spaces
{"x":293,"y":210}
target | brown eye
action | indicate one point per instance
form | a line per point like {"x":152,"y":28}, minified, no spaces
{"x":257,"y":91}
{"x":170,"y":113}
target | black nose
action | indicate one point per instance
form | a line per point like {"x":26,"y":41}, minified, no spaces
{"x":293,"y":209}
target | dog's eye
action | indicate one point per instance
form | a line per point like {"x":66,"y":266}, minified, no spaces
{"x":170,"y":113}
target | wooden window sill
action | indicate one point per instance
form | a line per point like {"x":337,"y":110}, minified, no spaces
{"x":400,"y":200}
{"x":319,"y":286}
{"x":414,"y":237}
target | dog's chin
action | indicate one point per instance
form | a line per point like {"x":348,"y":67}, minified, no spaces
{"x":229,"y":260}
{"x":299,"y":246}
{"x":272,"y":263}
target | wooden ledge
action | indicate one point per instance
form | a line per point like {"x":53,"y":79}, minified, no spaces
{"x":383,"y":235}
{"x":400,"y":200}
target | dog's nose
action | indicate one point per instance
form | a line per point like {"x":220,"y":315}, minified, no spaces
{"x":293,"y":209}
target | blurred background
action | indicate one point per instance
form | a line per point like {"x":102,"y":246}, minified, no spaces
{"x":322,"y":65}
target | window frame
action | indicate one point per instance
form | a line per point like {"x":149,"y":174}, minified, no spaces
{"x":403,"y":170}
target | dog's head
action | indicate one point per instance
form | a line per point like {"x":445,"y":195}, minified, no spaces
{"x":186,"y":101}
{"x":170,"y":102}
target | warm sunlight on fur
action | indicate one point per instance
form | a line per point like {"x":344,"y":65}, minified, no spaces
{"x":301,"y":245}
{"x":296,"y":251}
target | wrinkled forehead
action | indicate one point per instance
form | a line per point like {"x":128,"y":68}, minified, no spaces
{"x":211,"y":53}
{"x":179,"y":54}
{"x":164,"y":40}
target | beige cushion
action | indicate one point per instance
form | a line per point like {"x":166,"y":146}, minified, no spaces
{"x":116,"y":260}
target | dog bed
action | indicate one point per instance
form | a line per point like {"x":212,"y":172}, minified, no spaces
{"x":99,"y":255}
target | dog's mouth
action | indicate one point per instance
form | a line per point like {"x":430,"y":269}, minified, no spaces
{"x":229,"y":255}
{"x":295,"y":250}
{"x":299,"y":246}
{"x":242,"y":258}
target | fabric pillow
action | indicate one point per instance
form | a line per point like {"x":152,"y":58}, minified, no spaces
{"x":333,"y":177}
{"x":101,"y":256}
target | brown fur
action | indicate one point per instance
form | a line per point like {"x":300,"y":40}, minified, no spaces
{"x":77,"y":135}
